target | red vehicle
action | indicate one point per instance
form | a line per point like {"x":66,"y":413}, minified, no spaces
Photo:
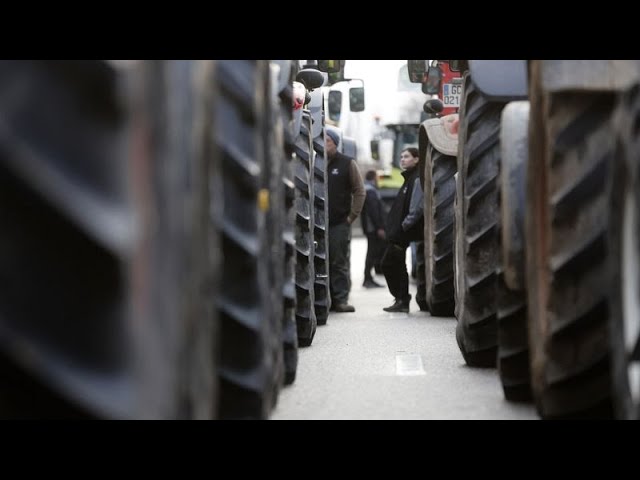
{"x":449,"y":85}
{"x":443,"y":83}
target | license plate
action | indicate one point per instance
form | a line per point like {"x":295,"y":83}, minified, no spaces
{"x":451,"y":93}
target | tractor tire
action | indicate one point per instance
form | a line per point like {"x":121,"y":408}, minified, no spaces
{"x":123,"y":327}
{"x":182,"y":240}
{"x":290,"y":334}
{"x":305,"y":249}
{"x":439,"y":196}
{"x":320,"y":232}
{"x":567,"y":253}
{"x":65,"y":242}
{"x":513,"y":342}
{"x":274,"y":202}
{"x":246,"y":315}
{"x":477,"y":225}
{"x":625,"y":246}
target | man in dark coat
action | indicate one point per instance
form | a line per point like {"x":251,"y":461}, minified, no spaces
{"x":405,"y":224}
{"x":373,"y":227}
{"x":346,"y":197}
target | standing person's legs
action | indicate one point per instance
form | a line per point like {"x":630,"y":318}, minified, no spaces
{"x":394,"y":267}
{"x":370,"y":260}
{"x":373,"y":257}
{"x":379,"y":246}
{"x":339,"y":236}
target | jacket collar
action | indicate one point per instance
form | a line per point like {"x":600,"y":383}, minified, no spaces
{"x":409,"y":171}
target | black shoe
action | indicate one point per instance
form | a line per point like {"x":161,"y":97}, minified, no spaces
{"x":371,"y":283}
{"x":343,"y":307}
{"x":399,"y":306}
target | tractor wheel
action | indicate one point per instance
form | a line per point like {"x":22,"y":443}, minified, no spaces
{"x":477,"y":226}
{"x":125,"y":325}
{"x":567,"y":253}
{"x":439,"y":196}
{"x":305,"y":248}
{"x":624,"y":237}
{"x":66,"y":239}
{"x":513,"y":343}
{"x":290,"y":334}
{"x":246,"y":315}
{"x":321,"y":234}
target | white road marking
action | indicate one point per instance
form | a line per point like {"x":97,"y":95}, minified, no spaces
{"x":409,"y":365}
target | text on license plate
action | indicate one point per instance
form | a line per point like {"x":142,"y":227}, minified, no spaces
{"x":451,"y":93}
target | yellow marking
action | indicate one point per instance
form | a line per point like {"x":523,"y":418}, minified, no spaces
{"x":263,"y":200}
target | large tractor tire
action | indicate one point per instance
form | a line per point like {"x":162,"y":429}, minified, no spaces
{"x":273,"y":199}
{"x":439,"y":219}
{"x":122,"y":322}
{"x":175,"y":319}
{"x":305,"y":249}
{"x":245,"y":304}
{"x":477,"y":226}
{"x":624,"y":235}
{"x":567,"y":253}
{"x":513,"y":342}
{"x":290,"y":333}
{"x":65,"y":242}
{"x":320,"y":232}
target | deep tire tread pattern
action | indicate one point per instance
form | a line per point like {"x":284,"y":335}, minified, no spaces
{"x":477,"y":223}
{"x":440,"y":191}
{"x":569,"y":330}
{"x":304,"y":227}
{"x":245,"y":373}
{"x":290,"y":335}
{"x":321,"y":233}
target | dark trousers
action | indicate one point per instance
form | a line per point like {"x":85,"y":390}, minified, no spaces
{"x":394,"y":267}
{"x":375,"y":250}
{"x":339,"y":262}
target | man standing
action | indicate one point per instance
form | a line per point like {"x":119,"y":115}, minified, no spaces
{"x":405,"y":224}
{"x":346,"y":197}
{"x":373,"y":227}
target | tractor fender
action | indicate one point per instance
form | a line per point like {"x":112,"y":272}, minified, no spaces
{"x":443,"y":133}
{"x":596,"y":75}
{"x":503,"y":80}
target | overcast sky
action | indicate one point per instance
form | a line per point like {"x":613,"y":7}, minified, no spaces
{"x":380,"y":78}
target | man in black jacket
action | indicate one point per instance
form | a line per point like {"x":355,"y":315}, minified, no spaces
{"x":373,"y":227}
{"x":405,"y":224}
{"x":346,"y":197}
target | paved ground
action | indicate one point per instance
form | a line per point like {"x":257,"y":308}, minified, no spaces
{"x":379,"y":365}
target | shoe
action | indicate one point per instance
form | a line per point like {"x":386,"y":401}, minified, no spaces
{"x":343,"y":307}
{"x":398,"y":306}
{"x":372,"y":284}
{"x":423,"y":306}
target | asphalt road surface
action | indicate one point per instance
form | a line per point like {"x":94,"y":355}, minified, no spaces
{"x":376,"y":365}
